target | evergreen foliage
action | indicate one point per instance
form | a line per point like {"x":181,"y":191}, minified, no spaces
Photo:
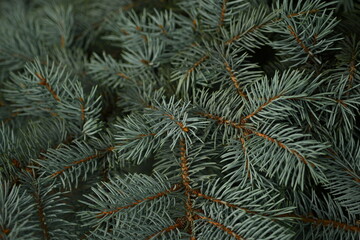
{"x":191,"y":119}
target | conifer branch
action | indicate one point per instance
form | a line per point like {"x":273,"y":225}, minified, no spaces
{"x":256,"y":27}
{"x":282,"y":145}
{"x":180,"y":124}
{"x":123,"y":75}
{"x":352,"y":72}
{"x":94,"y":156}
{"x":234,"y":80}
{"x":140,"y":136}
{"x":300,"y":42}
{"x":247,"y":168}
{"x":44,"y":82}
{"x":184,"y":167}
{"x":41,"y":215}
{"x":205,"y":141}
{"x":250,"y":30}
{"x":302,"y":13}
{"x":221,"y":226}
{"x":168,"y":229}
{"x":326,"y":223}
{"x":186,"y":183}
{"x":75,"y":163}
{"x":222,"y":120}
{"x":203,"y":59}
{"x":222,"y":14}
{"x":82,"y":108}
{"x":199,"y":194}
{"x":174,"y":188}
{"x":244,"y":119}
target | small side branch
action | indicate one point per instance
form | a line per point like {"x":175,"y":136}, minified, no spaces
{"x":253,"y":28}
{"x":326,"y":223}
{"x":246,"y":158}
{"x":222,"y":14}
{"x":168,"y":229}
{"x":298,"y":40}
{"x":234,"y":80}
{"x":82,"y":108}
{"x":43,"y":82}
{"x":160,"y":194}
{"x":282,"y":145}
{"x":184,"y":166}
{"x":302,"y":13}
{"x":203,"y":59}
{"x":43,"y":225}
{"x":244,"y":119}
{"x":122,"y":75}
{"x":75,"y":163}
{"x":180,"y":124}
{"x":219,"y":201}
{"x":83,"y":160}
{"x":222,"y":227}
{"x":140,"y":136}
{"x":302,"y":45}
{"x":222,"y":120}
{"x":352,"y":72}
{"x":186,"y":183}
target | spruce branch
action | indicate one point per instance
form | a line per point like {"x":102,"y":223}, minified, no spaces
{"x":191,"y":119}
